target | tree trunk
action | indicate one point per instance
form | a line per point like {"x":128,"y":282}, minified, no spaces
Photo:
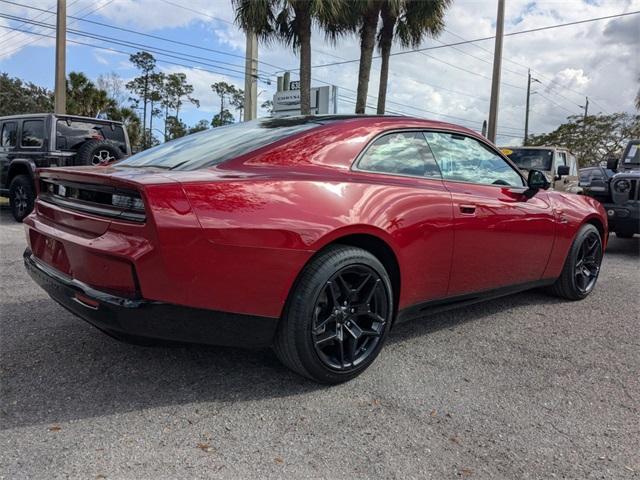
{"x":166,"y":115}
{"x":144,"y":110}
{"x":386,"y":40}
{"x":303,"y":21}
{"x":151,"y":123}
{"x":367,"y":44}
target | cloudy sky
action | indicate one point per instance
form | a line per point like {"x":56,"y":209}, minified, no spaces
{"x":599,"y":59}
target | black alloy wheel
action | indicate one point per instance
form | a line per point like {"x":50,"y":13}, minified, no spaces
{"x":588,"y":262}
{"x":337,"y":316}
{"x":350,"y":315}
{"x":582,"y":265}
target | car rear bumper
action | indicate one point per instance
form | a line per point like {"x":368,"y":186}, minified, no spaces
{"x":150,"y":319}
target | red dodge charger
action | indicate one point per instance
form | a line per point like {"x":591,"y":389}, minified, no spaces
{"x":313,"y":235}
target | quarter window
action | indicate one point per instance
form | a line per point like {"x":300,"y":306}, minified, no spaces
{"x":9,"y":134}
{"x":465,"y":159}
{"x":32,"y":133}
{"x":402,"y":153}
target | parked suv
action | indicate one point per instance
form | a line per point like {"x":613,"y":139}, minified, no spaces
{"x":32,"y":141}
{"x":617,"y":187}
{"x":558,"y":163}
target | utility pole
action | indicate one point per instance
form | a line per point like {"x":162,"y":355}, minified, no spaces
{"x":586,"y":112}
{"x":61,"y":47}
{"x":526,"y":116}
{"x":495,"y":79}
{"x":251,"y":77}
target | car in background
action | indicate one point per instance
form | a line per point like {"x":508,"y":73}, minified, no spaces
{"x":35,"y":141}
{"x":311,"y":234}
{"x":559,"y":165}
{"x":617,"y":187}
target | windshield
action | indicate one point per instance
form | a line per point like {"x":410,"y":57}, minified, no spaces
{"x":531,"y":158}
{"x":214,"y":146}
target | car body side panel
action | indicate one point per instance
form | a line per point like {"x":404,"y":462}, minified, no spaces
{"x":299,"y":217}
{"x":501,"y":237}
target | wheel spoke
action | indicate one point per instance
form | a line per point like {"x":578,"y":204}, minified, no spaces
{"x":354,"y":329}
{"x":353,"y":344}
{"x":327,"y":337}
{"x":322,"y":326}
{"x":334,"y":293}
{"x":372,"y":291}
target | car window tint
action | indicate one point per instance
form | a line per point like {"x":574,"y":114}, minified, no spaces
{"x":217,"y":145}
{"x":465,"y":159}
{"x":32,"y":133}
{"x":403,"y":153}
{"x":72,"y":134}
{"x":9,"y":134}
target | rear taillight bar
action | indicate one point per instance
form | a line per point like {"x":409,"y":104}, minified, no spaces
{"x":100,"y":200}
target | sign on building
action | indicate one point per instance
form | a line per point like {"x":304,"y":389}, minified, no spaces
{"x":323,"y":100}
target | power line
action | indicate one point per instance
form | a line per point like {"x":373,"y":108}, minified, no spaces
{"x":18,"y":48}
{"x":149,"y":48}
{"x":156,"y":37}
{"x":100,"y":47}
{"x":51,"y":12}
{"x":465,"y":42}
{"x":469,"y":71}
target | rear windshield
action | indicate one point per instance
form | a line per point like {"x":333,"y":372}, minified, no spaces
{"x":531,"y":158}
{"x":72,"y":134}
{"x":214,"y":146}
{"x":632,"y":153}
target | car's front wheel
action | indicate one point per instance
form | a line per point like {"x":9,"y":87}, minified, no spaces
{"x":582,"y":266}
{"x":337,"y":316}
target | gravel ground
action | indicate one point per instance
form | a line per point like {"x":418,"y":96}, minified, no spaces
{"x":523,"y":387}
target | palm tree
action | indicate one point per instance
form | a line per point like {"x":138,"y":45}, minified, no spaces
{"x":409,"y":22}
{"x":290,"y":22}
{"x":364,"y":15}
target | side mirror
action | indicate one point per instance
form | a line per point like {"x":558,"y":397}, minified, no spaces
{"x":612,"y":163}
{"x":563,"y":170}
{"x":537,"y":180}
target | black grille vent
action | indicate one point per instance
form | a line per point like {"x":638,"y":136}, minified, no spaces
{"x":100,"y":200}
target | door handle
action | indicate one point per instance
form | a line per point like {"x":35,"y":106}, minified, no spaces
{"x":467,"y":209}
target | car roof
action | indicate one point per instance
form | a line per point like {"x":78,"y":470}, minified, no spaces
{"x":73,"y":117}
{"x":358,"y":120}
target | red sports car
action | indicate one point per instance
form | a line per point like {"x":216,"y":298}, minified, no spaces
{"x":313,"y":235}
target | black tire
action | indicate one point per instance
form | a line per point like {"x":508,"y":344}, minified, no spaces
{"x":623,"y":234}
{"x":358,"y":324}
{"x":98,"y":152}
{"x":584,"y":255}
{"x":21,"y":197}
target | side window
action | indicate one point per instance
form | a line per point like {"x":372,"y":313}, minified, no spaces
{"x":9,"y":134}
{"x":465,"y":159}
{"x":561,"y":159}
{"x":402,"y":153}
{"x":32,"y":133}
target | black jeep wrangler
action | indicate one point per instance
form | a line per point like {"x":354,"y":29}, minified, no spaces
{"x":32,"y":141}
{"x":617,"y":187}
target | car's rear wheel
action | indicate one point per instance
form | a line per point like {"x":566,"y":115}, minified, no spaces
{"x":337,"y":316}
{"x":21,"y":197}
{"x":582,"y":266}
{"x":624,"y":234}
